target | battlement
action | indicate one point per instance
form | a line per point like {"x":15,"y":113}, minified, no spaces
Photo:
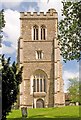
{"x":50,"y":13}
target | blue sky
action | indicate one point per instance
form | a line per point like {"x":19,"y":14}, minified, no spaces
{"x":12,"y":29}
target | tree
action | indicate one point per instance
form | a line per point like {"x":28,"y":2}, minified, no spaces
{"x":11,"y":78}
{"x":70,"y":30}
{"x":2,"y":23}
{"x":73,"y":90}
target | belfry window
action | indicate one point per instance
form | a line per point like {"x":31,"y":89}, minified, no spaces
{"x":35,"y":32}
{"x":43,"y":32}
{"x":39,"y":54}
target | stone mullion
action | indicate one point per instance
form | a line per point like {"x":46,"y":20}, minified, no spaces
{"x":39,"y":33}
{"x":32,"y":35}
{"x":36,"y":84}
{"x":39,"y":83}
{"x":42,"y":85}
{"x":46,"y":34}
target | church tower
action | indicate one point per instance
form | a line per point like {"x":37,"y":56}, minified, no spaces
{"x":39,"y":54}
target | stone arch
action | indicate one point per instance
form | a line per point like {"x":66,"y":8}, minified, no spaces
{"x":38,"y":81}
{"x":40,"y":103}
{"x":35,"y":32}
{"x":40,"y":71}
{"x":43,"y":26}
{"x":43,"y":32}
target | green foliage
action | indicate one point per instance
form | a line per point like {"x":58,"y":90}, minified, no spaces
{"x":11,"y":78}
{"x":2,"y":23}
{"x":73,"y":90}
{"x":70,"y":31}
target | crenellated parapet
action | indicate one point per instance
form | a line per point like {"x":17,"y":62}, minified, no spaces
{"x":50,"y":14}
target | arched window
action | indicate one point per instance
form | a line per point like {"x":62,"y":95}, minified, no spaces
{"x":39,"y":81}
{"x":43,"y":32}
{"x":35,"y":32}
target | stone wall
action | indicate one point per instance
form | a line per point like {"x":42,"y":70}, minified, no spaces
{"x":50,"y":63}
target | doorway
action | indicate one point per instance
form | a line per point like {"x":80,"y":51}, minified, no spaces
{"x":40,"y":103}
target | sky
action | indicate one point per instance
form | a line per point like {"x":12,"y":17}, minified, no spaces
{"x":11,"y":32}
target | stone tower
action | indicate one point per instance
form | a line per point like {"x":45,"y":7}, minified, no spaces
{"x":39,"y":54}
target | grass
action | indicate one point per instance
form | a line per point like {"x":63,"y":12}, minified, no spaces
{"x":62,"y":113}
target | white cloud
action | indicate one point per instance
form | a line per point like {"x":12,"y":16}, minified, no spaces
{"x":11,"y":3}
{"x":3,"y":1}
{"x":45,"y":5}
{"x":67,"y":75}
{"x":12,"y":27}
{"x":31,"y":9}
{"x":7,"y":49}
{"x":0,"y":50}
